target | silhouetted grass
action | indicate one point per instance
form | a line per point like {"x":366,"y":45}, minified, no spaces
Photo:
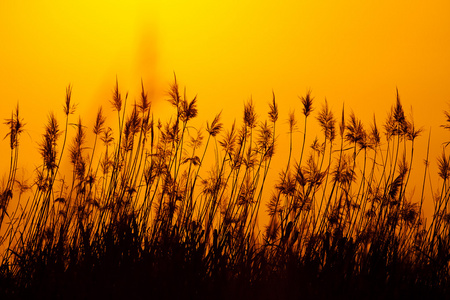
{"x":145,"y":214}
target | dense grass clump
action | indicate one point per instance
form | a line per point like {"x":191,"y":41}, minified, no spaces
{"x":145,"y":213}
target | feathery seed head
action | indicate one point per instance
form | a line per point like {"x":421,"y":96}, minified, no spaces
{"x":216,"y":126}
{"x":48,"y":145}
{"x":144,"y":104}
{"x":99,"y":122}
{"x":174,"y":93}
{"x":69,"y":109}
{"x":307,"y":102}
{"x":411,"y":131}
{"x":273,"y":113}
{"x":15,"y":125}
{"x":188,"y":109}
{"x":327,"y":122}
{"x":250,"y":114}
{"x":76,"y":150}
{"x":107,"y":137}
{"x":117,"y":98}
{"x":355,"y":130}
{"x":444,"y":166}
{"x":292,"y":122}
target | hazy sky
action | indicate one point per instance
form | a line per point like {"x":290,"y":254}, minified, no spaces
{"x":352,"y":52}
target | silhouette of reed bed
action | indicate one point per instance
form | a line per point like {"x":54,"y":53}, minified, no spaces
{"x":146,"y":214}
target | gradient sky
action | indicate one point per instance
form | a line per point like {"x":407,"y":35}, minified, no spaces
{"x":352,"y":52}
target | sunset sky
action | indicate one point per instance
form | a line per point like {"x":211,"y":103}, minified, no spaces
{"x":352,"y":52}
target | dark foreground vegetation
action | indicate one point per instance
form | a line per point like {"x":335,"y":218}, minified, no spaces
{"x":146,"y":213}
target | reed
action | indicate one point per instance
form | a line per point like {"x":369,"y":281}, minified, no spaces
{"x":143,"y":211}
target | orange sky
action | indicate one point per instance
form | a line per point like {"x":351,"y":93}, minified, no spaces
{"x":355,"y":52}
